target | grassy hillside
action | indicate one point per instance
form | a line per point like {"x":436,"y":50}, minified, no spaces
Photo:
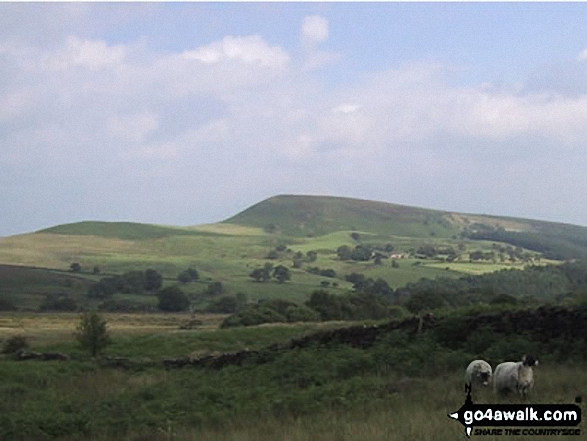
{"x":122,"y":230}
{"x":229,"y":251}
{"x":319,"y":215}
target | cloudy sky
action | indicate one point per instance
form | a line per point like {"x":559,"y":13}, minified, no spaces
{"x":186,"y":113}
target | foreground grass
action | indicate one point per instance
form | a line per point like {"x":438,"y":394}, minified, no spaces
{"x":389,"y":408}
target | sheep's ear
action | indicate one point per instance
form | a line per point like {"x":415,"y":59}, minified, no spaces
{"x":536,"y":363}
{"x":524,"y":357}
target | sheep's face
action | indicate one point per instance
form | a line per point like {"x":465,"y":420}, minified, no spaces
{"x":484,"y":377}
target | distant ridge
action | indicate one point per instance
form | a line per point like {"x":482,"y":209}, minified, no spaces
{"x":121,"y":230}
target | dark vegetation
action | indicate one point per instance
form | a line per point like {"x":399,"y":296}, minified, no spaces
{"x":133,"y":282}
{"x":344,"y":369}
{"x":564,"y":242}
{"x":536,"y":284}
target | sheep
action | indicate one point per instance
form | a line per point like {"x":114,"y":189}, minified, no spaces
{"x":511,"y":376}
{"x":478,"y":374}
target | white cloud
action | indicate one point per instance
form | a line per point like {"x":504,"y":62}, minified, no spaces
{"x":91,"y":54}
{"x":346,"y":108}
{"x":132,"y":127}
{"x":582,"y":56}
{"x":249,"y":50}
{"x":239,"y":110}
{"x":315,"y":29}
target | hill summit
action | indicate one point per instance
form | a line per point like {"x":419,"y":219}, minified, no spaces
{"x":295,"y":215}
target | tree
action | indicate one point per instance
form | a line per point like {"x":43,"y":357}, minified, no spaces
{"x":92,"y":333}
{"x":262,"y":274}
{"x":75,"y":267}
{"x":311,"y":256}
{"x":344,"y":252}
{"x":153,"y":280}
{"x":281,"y":273}
{"x":172,"y":299}
{"x":189,"y":275}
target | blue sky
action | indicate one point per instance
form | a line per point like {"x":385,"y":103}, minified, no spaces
{"x":186,"y":113}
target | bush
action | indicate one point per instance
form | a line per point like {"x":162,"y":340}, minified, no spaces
{"x":14,"y":344}
{"x":301,"y":313}
{"x":189,"y":275}
{"x":253,"y":315}
{"x":58,"y":303}
{"x":224,"y":305}
{"x":173,"y":299}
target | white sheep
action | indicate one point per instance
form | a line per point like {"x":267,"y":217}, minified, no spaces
{"x":478,"y":374}
{"x":511,"y":376}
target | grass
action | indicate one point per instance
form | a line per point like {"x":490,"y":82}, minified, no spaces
{"x":398,"y":389}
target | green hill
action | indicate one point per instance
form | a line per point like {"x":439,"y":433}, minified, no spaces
{"x":311,"y":216}
{"x":121,"y":230}
{"x":430,"y":243}
{"x":320,"y":215}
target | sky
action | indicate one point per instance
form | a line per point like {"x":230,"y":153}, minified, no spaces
{"x":187,"y":113}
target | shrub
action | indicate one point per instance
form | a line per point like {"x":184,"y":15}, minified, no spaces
{"x":301,"y":313}
{"x":58,"y":303}
{"x":253,"y":315}
{"x":224,"y":305}
{"x":14,"y":344}
{"x":172,"y":299}
{"x":189,"y":275}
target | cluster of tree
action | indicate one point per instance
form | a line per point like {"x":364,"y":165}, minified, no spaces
{"x":364,"y":252}
{"x":428,"y":251}
{"x":321,"y":272}
{"x":300,"y":258}
{"x":57,"y":302}
{"x":322,"y":306}
{"x":531,"y":285}
{"x":271,"y":311}
{"x":359,"y":306}
{"x":189,"y":275}
{"x":172,"y":299}
{"x":125,"y":305}
{"x":133,"y":282}
{"x":264,"y":274}
{"x":360,"y":253}
{"x":76,"y":267}
{"x":364,"y":285}
{"x":564,"y":243}
{"x":228,"y":304}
